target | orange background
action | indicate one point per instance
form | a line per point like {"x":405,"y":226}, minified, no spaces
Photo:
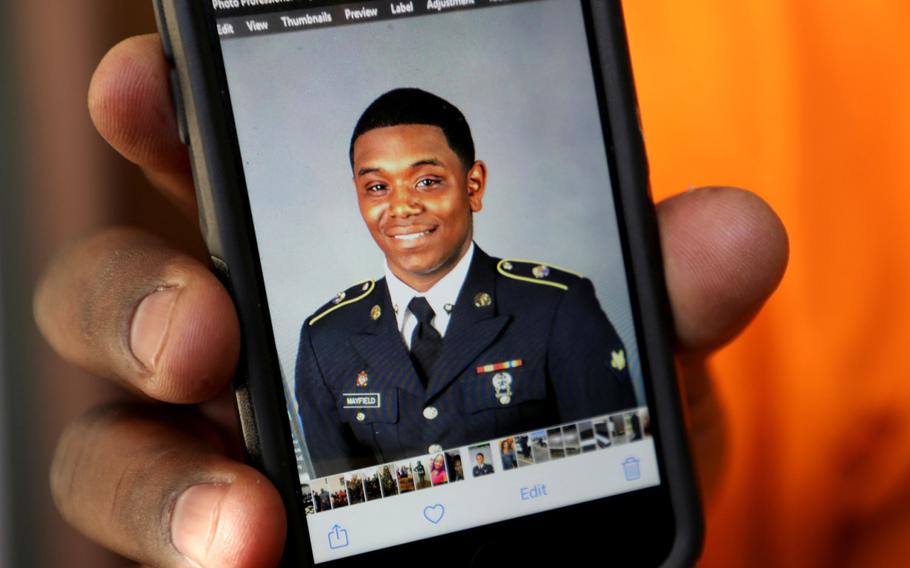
{"x":807,"y":103}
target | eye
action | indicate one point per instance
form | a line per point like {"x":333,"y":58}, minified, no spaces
{"x":375,"y":187}
{"x":429,"y":182}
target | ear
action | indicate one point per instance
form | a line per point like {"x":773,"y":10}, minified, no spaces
{"x":477,"y":185}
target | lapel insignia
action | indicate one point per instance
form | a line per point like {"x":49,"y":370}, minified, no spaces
{"x":339,"y":297}
{"x":618,"y":360}
{"x":362,"y":379}
{"x":448,"y":308}
{"x":483,"y":300}
{"x":502,"y":387}
{"x":540,"y":271}
{"x":376,"y":312}
{"x":365,"y":287}
{"x":499,"y":366}
{"x":506,"y":265}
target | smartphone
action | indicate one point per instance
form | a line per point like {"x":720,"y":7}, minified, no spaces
{"x":434,"y":219}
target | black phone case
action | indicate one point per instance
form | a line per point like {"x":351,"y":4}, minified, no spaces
{"x":206,"y":125}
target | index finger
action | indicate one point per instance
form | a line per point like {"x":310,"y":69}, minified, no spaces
{"x":130,"y":103}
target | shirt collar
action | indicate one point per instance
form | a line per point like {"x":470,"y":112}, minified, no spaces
{"x":445,"y":292}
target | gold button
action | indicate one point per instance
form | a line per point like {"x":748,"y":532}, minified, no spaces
{"x":430,"y":412}
{"x":361,"y":417}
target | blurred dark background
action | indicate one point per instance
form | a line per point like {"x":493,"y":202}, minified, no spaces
{"x":59,"y":180}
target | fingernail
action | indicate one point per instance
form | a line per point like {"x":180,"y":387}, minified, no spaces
{"x":194,"y":523}
{"x":151,"y":322}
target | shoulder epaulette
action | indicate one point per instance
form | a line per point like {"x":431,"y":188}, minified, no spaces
{"x":351,"y":295}
{"x":537,"y":273}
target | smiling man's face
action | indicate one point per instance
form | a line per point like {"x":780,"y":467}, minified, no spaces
{"x":417,"y":199}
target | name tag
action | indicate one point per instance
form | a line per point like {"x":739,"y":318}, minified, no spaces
{"x":362,"y":400}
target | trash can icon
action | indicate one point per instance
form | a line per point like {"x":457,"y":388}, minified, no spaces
{"x":631,"y":468}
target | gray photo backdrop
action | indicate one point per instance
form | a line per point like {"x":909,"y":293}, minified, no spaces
{"x":522,"y":77}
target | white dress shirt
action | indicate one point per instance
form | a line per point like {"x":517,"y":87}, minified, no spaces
{"x":441,"y":296}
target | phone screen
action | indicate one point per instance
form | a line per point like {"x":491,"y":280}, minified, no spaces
{"x":430,"y":189}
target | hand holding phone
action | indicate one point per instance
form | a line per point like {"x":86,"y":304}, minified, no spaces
{"x":704,"y":315}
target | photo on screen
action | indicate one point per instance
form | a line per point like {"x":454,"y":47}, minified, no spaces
{"x":570,"y":440}
{"x":635,"y":426}
{"x":602,"y":433}
{"x":307,"y":499}
{"x":322,"y":498}
{"x":354,"y":484}
{"x":405,"y":479}
{"x":586,"y":436}
{"x":455,"y":465}
{"x":523,"y":450}
{"x":481,"y":460}
{"x":499,"y":133}
{"x":420,"y":470}
{"x":507,"y":453}
{"x":540,"y":448}
{"x":618,"y":433}
{"x":438,"y":473}
{"x":387,"y":481}
{"x":371,"y":484}
{"x":555,"y":443}
{"x":339,"y":491}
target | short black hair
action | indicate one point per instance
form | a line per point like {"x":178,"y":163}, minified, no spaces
{"x":414,"y":106}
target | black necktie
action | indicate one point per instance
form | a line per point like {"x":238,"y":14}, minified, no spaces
{"x":425,"y":341}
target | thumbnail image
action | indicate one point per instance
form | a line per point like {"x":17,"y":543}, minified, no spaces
{"x":570,"y":440}
{"x":420,"y":469}
{"x":640,"y":424}
{"x":322,"y":499}
{"x":338,"y":491}
{"x":438,"y":473}
{"x":554,"y":440}
{"x":405,"y":479}
{"x":617,"y":424}
{"x":308,"y":507}
{"x":482,"y":460}
{"x":602,"y":434}
{"x":540,"y":450}
{"x":455,"y":465}
{"x":354,"y":484}
{"x":387,"y":481}
{"x":507,"y":453}
{"x":371,"y":484}
{"x":586,"y":435}
{"x":633,"y":421}
{"x":523,"y":450}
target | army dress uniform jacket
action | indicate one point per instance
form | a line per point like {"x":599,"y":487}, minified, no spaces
{"x":527,"y":346}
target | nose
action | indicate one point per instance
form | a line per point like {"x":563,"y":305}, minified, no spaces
{"x":404,"y":202}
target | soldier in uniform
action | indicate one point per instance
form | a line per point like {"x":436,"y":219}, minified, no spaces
{"x":452,"y":346}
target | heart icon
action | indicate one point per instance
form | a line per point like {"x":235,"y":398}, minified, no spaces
{"x":434,"y":513}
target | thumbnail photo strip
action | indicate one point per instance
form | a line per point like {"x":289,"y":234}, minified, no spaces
{"x":477,"y":460}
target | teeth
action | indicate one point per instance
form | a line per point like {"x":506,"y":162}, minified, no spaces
{"x":412,"y":236}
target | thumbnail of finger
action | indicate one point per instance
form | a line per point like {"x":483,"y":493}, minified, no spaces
{"x":123,"y":305}
{"x":725,"y":251}
{"x":133,"y":480}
